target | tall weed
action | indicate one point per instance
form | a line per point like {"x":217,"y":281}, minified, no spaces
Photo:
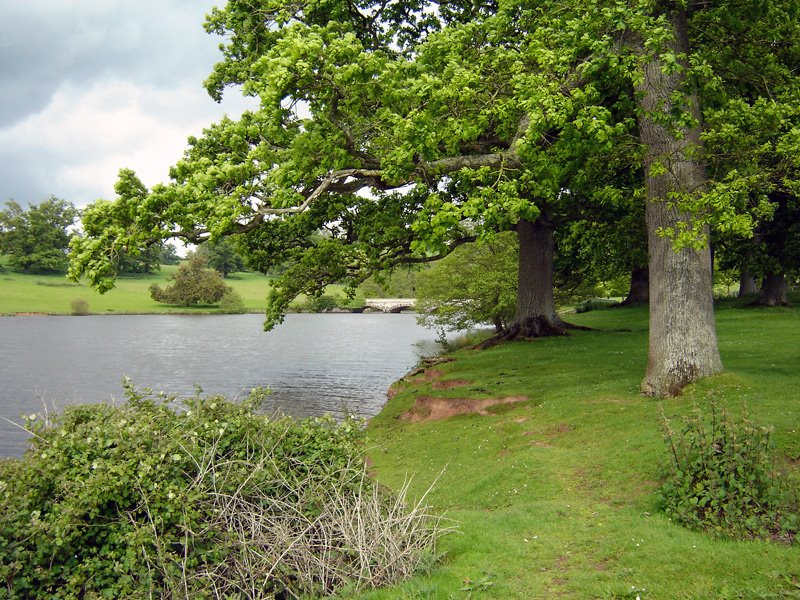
{"x":723,"y":477}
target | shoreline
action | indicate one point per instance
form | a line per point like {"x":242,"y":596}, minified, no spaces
{"x":357,"y":311}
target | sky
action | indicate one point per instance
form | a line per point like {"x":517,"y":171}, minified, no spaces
{"x":93,"y":86}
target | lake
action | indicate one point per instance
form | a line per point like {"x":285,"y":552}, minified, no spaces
{"x":313,"y":363}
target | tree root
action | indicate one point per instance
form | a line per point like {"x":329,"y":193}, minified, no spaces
{"x":766,"y":303}
{"x":531,"y":329}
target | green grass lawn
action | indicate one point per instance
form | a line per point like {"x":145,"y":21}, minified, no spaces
{"x":556,"y":497}
{"x":54,"y":294}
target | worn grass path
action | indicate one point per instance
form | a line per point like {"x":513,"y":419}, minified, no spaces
{"x":557,"y":496}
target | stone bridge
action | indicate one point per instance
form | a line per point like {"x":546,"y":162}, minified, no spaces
{"x":390,"y":305}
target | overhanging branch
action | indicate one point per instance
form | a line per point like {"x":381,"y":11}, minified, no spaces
{"x":353,"y":180}
{"x":336,"y":181}
{"x":325,"y":185}
{"x":416,"y":260}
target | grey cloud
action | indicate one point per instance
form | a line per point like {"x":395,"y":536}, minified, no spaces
{"x":23,"y":180}
{"x":66,"y":63}
{"x":48,"y":43}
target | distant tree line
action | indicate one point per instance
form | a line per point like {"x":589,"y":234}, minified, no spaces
{"x":37,"y":240}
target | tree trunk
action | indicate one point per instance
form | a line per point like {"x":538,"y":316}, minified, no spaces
{"x":747,"y":283}
{"x":774,"y":291}
{"x":683,"y":339}
{"x":536,"y":311}
{"x":498,"y":325}
{"x":639,"y":292}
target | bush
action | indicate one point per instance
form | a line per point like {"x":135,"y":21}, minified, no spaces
{"x":355,"y":304}
{"x":474,"y":285}
{"x":722,"y":478}
{"x":80,"y":307}
{"x":322,"y":303}
{"x":192,"y":284}
{"x":200,"y":499}
{"x":232,"y":302}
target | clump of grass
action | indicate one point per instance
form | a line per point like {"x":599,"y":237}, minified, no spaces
{"x":722,"y":478}
{"x":80,"y":307}
{"x":57,"y":283}
{"x":314,"y":538}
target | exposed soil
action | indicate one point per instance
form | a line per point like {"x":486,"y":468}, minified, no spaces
{"x":428,"y":408}
{"x":449,"y":384}
{"x":426,"y":369}
{"x":431,"y":374}
{"x":539,"y":444}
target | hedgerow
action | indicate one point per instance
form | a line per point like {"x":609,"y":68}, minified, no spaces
{"x":200,"y":498}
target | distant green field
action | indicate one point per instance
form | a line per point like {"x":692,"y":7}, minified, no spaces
{"x":54,"y":294}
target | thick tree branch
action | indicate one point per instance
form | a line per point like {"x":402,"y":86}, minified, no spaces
{"x":353,"y":180}
{"x":334,"y":177}
{"x":417,"y":260}
{"x":336,"y":181}
{"x":496,"y":160}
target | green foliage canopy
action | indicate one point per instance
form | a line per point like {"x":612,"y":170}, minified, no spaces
{"x":145,"y":261}
{"x":435,"y":136}
{"x":169,"y":254}
{"x":148,"y":259}
{"x":400,"y":130}
{"x":222,"y":256}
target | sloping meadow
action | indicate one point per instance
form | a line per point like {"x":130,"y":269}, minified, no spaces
{"x":560,"y":494}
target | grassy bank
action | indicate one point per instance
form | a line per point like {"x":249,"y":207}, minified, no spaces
{"x":54,"y":294}
{"x":556,"y":496}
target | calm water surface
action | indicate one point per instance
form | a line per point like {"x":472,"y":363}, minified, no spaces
{"x":312,"y":363}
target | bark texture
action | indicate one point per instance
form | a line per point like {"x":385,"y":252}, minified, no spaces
{"x":774,"y":291}
{"x":683,"y":339}
{"x":639,"y":292}
{"x":536,"y":310}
